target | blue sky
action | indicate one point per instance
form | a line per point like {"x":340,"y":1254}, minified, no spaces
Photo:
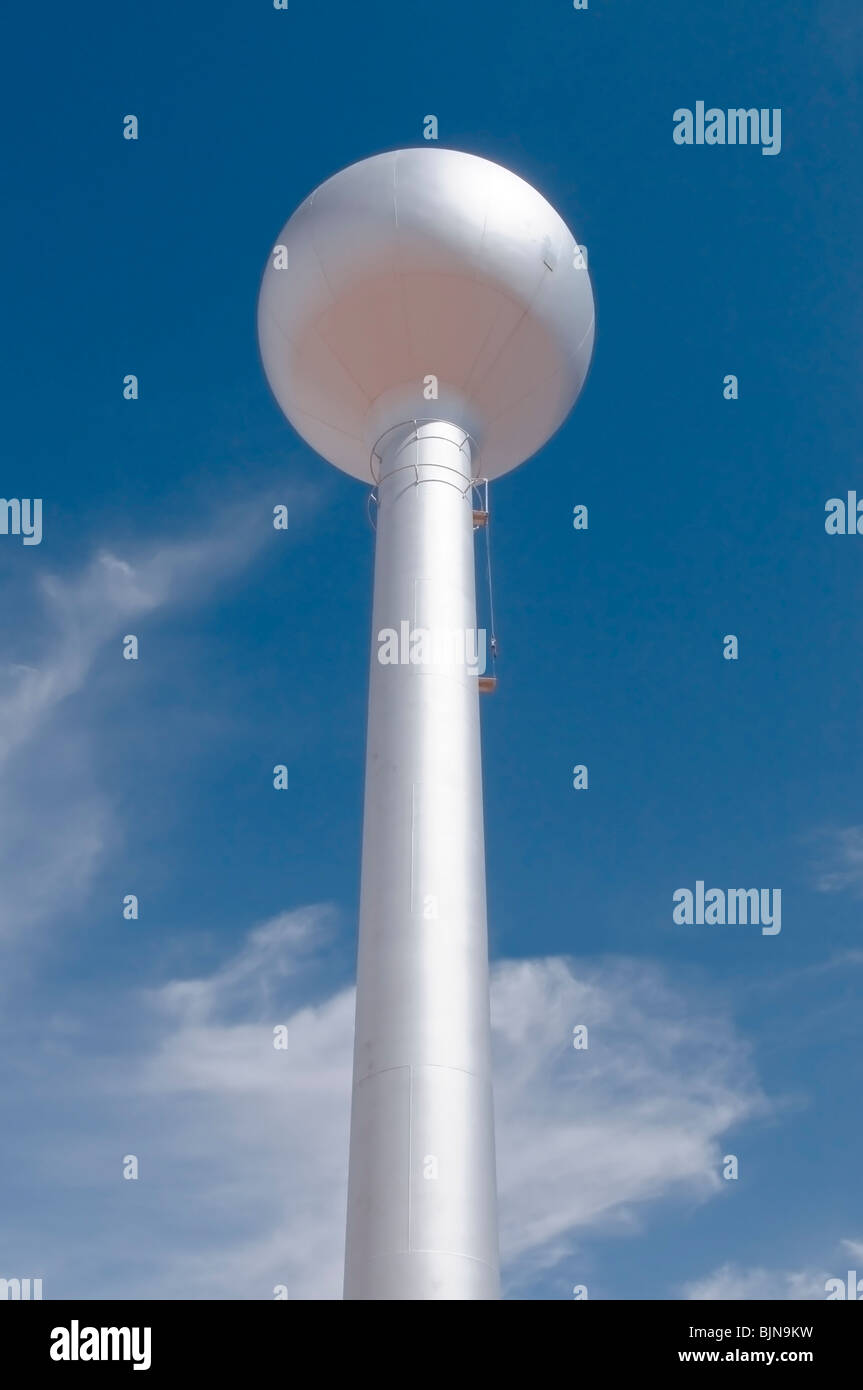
{"x":155,"y":777}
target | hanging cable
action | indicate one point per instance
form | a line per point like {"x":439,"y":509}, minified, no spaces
{"x":493,"y":641}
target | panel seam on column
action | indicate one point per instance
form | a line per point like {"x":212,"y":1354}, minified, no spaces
{"x":410,"y":1153}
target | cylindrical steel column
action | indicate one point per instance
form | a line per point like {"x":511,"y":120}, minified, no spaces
{"x":422,"y":1206}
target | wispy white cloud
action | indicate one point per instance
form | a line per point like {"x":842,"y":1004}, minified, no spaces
{"x":85,"y":611}
{"x":55,"y":822}
{"x":243,"y":1148}
{"x":730,"y":1282}
{"x":840,"y":866}
{"x":589,"y":1137}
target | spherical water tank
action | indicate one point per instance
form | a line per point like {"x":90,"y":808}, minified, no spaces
{"x":426,"y":284}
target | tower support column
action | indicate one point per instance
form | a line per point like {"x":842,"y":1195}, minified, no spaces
{"x":422,"y":1206}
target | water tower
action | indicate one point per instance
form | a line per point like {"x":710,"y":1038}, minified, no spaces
{"x":425,"y":322}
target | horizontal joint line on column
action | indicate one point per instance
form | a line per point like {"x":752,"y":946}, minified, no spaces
{"x":414,"y":1066}
{"x":454,"y":1254}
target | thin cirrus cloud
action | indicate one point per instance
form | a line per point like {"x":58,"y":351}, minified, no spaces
{"x":55,"y":823}
{"x":840,"y":868}
{"x":589,"y":1137}
{"x":242,"y":1148}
